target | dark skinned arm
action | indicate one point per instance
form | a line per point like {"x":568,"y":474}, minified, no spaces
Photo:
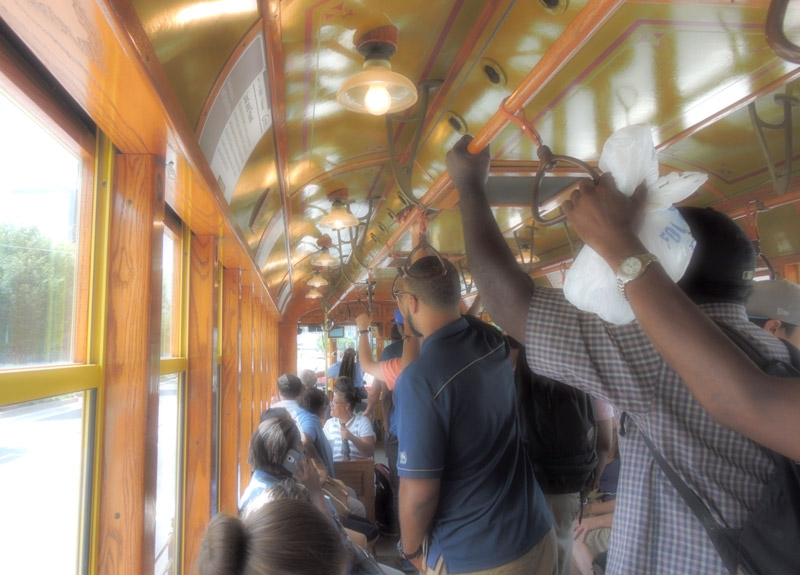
{"x":505,"y":289}
{"x":735,"y":392}
{"x":418,"y":501}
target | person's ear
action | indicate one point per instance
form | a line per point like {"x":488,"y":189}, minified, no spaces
{"x":773,"y":326}
{"x":414,"y":303}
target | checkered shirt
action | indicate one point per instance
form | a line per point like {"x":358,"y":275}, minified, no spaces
{"x":654,"y":532}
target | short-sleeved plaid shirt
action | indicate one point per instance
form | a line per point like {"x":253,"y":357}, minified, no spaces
{"x":654,"y":532}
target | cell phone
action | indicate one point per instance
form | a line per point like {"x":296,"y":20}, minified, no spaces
{"x":291,"y":460}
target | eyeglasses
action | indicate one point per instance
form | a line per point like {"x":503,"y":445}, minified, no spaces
{"x":396,"y":293}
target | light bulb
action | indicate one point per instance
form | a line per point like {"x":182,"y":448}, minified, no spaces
{"x":377,"y":101}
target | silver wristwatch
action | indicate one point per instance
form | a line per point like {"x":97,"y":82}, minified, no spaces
{"x":630,"y":269}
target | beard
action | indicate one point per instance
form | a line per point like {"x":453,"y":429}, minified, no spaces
{"x":411,"y":327}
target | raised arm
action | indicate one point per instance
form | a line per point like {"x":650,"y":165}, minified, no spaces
{"x":505,"y":289}
{"x":368,"y":362}
{"x":732,"y":388}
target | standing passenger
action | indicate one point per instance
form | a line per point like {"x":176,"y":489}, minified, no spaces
{"x":654,"y":530}
{"x":469,"y":502}
{"x":775,"y":306}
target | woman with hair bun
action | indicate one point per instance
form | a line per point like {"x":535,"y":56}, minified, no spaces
{"x":273,"y":540}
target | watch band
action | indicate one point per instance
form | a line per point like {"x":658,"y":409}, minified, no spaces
{"x":413,"y":555}
{"x":624,"y":279}
{"x":363,"y":331}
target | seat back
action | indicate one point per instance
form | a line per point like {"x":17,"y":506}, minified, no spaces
{"x":360,"y":475}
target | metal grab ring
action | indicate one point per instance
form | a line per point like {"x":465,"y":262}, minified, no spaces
{"x":548,"y":161}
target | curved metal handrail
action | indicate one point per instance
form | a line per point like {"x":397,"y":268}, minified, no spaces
{"x":548,"y":162}
{"x":776,"y":37}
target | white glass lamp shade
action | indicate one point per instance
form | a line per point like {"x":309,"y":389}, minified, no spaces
{"x":317,"y":281}
{"x":324,"y":259}
{"x":377,"y":90}
{"x":313,"y":294}
{"x":527,"y":256}
{"x":339,"y":218}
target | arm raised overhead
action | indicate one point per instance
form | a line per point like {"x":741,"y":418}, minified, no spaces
{"x":505,"y":289}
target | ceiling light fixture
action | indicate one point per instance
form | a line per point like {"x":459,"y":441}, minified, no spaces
{"x":313,"y":294}
{"x":526,"y":256}
{"x":377,"y":90}
{"x":317,"y":281}
{"x":324,"y":259}
{"x":339,"y":217}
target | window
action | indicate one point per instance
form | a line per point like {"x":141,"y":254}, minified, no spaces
{"x":40,"y":195}
{"x":171,"y":403}
{"x":41,"y":492}
{"x":48,"y":409}
{"x":169,"y":425}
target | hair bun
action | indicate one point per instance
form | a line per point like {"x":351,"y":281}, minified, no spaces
{"x":224,"y":547}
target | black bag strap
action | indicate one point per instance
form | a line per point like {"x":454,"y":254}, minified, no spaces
{"x":755,"y":354}
{"x":722,"y":543}
{"x":719,"y":538}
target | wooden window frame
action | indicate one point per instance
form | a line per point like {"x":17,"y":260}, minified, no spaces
{"x":24,"y":86}
{"x":27,"y":89}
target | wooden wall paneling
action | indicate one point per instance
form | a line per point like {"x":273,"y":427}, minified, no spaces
{"x":267,"y":360}
{"x":199,"y":440}
{"x":258,"y":347}
{"x":273,"y":367}
{"x":128,"y":468}
{"x":287,"y":351}
{"x":256,"y":355}
{"x":246,"y":383}
{"x":229,"y":393}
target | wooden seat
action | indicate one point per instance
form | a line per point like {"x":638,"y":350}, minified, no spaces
{"x":360,"y":475}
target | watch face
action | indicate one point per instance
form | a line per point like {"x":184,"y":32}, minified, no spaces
{"x":630,"y":266}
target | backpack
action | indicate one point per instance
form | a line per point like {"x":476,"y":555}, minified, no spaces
{"x":384,"y":499}
{"x":557,"y":426}
{"x":767,"y":543}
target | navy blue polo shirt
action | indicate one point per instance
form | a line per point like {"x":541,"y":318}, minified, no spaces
{"x":456,"y":413}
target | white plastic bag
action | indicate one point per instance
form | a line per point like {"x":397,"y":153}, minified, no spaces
{"x":630,"y":156}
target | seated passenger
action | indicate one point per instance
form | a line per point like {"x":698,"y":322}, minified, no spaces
{"x":276,"y":458}
{"x":280,"y":470}
{"x":592,"y":533}
{"x":351,"y":435}
{"x":316,"y":445}
{"x":309,"y":379}
{"x":290,"y":388}
{"x":775,"y":306}
{"x":273,"y":540}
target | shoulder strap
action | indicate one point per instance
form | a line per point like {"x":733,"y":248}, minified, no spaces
{"x":722,"y":543}
{"x":719,"y":538}
{"x":755,"y":354}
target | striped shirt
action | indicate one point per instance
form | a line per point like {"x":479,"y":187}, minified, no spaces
{"x":358,"y":425}
{"x":654,"y":532}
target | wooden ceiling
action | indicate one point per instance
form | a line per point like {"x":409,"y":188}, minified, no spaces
{"x":578,"y":72}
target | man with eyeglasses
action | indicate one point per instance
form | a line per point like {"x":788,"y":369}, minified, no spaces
{"x":469,"y":502}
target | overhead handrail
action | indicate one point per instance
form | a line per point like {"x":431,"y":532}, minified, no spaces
{"x":591,"y":18}
{"x":547,"y":162}
{"x":776,"y":37}
{"x":760,"y":125}
{"x":402,"y":172}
